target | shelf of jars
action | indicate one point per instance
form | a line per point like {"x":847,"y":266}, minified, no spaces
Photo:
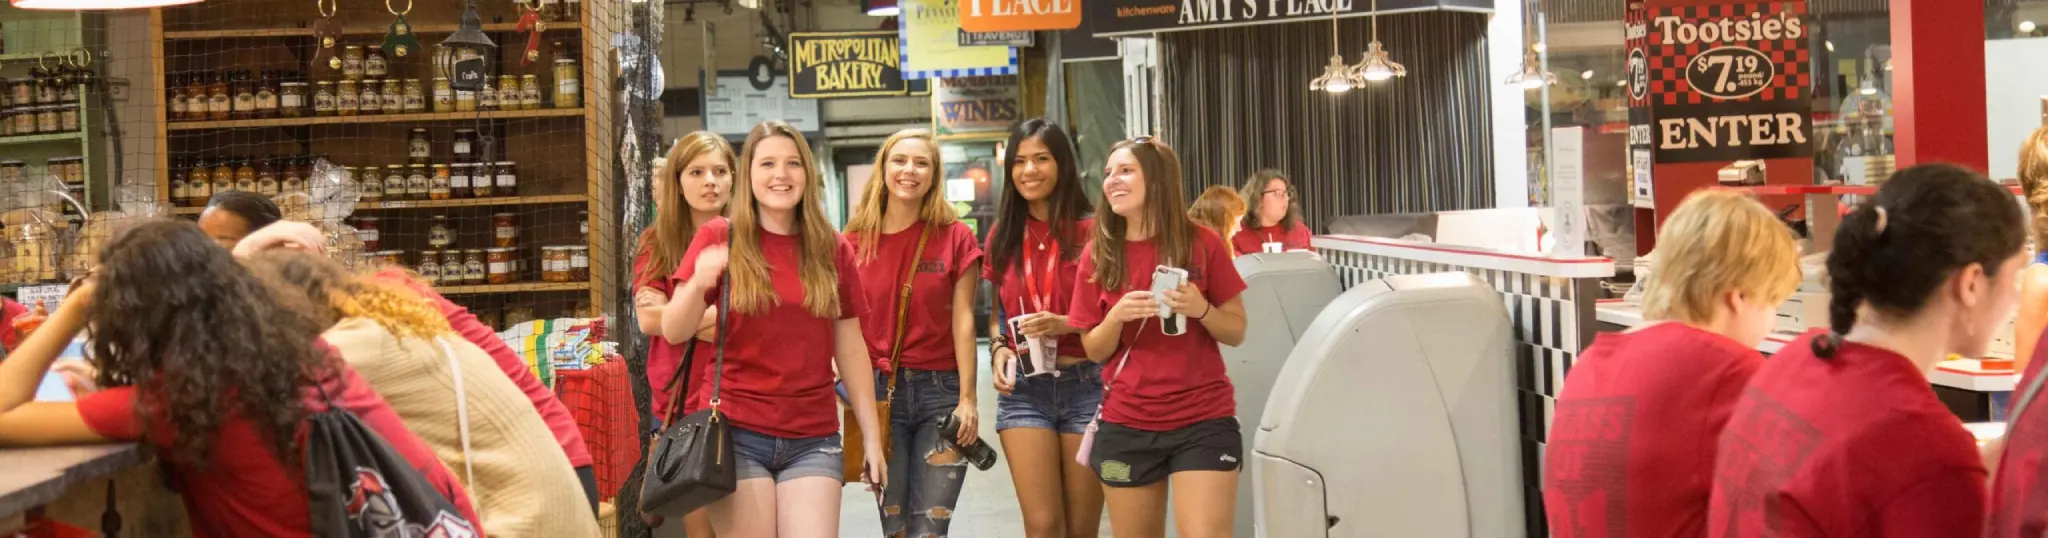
{"x":427,"y":29}
{"x":380,"y":118}
{"x":501,"y":201}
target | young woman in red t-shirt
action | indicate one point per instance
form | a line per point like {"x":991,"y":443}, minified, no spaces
{"x":901,"y":227}
{"x":1169,"y":410}
{"x":1840,"y":434}
{"x":795,"y":299}
{"x":1273,"y":217}
{"x":1034,"y":247}
{"x":210,"y":371}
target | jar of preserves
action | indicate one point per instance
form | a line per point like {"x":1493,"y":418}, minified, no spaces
{"x":465,"y":101}
{"x":181,"y":195}
{"x":464,"y":149}
{"x":430,"y":267}
{"x":374,"y":64}
{"x":394,"y":96}
{"x":352,"y":60}
{"x":266,"y":178}
{"x":372,"y":184}
{"x":294,"y":176}
{"x":415,"y":96}
{"x":219,"y":101}
{"x":291,"y":99}
{"x":481,"y":181}
{"x":529,"y":92}
{"x":13,"y":172}
{"x":505,"y":230}
{"x":458,"y":181}
{"x":418,"y":146}
{"x":579,"y":264}
{"x":394,"y":183}
{"x":244,"y":87}
{"x":245,"y":175}
{"x":24,"y":120}
{"x":47,"y":119}
{"x":498,"y":264}
{"x":71,"y":170}
{"x":199,"y":183}
{"x":372,"y":99}
{"x":366,"y":229}
{"x":444,"y":95}
{"x":417,"y":185}
{"x":508,"y":92}
{"x":507,"y":183}
{"x":67,"y":117}
{"x":176,"y":101}
{"x":195,"y":97}
{"x":323,"y":98}
{"x":223,"y":175}
{"x":568,"y":83}
{"x":347,"y":99}
{"x":473,"y":269}
{"x":441,"y":234}
{"x":266,"y":95}
{"x":441,"y":189}
{"x":24,"y":92}
{"x":554,"y":264}
{"x":487,"y":98}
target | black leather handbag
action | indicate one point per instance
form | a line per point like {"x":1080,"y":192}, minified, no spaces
{"x":692,"y":463}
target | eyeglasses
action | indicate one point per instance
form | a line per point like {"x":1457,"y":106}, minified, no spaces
{"x":1284,"y":191}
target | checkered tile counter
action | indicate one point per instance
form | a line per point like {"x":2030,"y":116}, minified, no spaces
{"x":1550,"y":301}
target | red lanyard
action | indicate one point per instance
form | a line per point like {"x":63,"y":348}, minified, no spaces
{"x":1031,"y":286}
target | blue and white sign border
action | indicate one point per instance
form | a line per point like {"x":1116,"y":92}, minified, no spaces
{"x":903,"y":51}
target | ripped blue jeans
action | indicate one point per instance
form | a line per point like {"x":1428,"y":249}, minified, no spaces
{"x":926,"y":469}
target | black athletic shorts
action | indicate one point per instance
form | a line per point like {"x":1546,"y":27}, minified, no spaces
{"x":1129,"y":457}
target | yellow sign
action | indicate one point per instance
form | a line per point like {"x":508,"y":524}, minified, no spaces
{"x":845,"y":64}
{"x":931,"y":44}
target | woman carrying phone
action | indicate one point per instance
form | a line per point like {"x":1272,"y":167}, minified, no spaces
{"x":795,"y":298}
{"x":905,"y":233}
{"x":1168,"y":414}
{"x":1273,"y":222}
{"x":1839,"y":434}
{"x":1034,"y":248}
{"x":212,"y":372}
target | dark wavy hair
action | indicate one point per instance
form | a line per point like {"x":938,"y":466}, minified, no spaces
{"x":1254,"y":193}
{"x":203,"y":339}
{"x":258,"y":209}
{"x":1067,"y":204}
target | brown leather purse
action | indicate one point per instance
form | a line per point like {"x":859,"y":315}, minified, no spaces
{"x":852,"y":436}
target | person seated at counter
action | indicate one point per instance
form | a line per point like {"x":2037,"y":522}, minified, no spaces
{"x":1633,"y":439}
{"x":1840,"y":433}
{"x":233,"y":215}
{"x":230,"y":424}
{"x":1218,"y":209}
{"x":1273,"y":222}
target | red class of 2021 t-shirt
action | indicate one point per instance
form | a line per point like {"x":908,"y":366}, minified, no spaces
{"x":1632,"y":443}
{"x":664,"y":358}
{"x":928,"y":334}
{"x":778,"y":364}
{"x":1170,"y":382}
{"x":1252,"y":240}
{"x":245,"y":490}
{"x":1852,"y":445}
{"x":1015,"y":294}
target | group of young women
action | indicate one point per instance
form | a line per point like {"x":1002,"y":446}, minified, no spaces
{"x":1681,"y":428}
{"x":884,"y":311}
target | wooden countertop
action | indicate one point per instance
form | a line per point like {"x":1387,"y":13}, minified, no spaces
{"x":32,"y":477}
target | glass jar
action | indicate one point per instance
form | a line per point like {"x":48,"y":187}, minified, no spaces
{"x":508,"y":92}
{"x":444,"y":95}
{"x":418,"y":146}
{"x":352,"y":60}
{"x":291,"y":99}
{"x":415,"y":96}
{"x":505,"y":229}
{"x":430,"y":267}
{"x":507,"y":183}
{"x":374,"y":64}
{"x":223,"y":175}
{"x":220,"y":103}
{"x":74,"y":171}
{"x":195,"y":97}
{"x":441,"y":188}
{"x":579,"y":264}
{"x":366,"y":230}
{"x":24,"y":91}
{"x":347,"y":100}
{"x":474,"y":271}
{"x":394,"y":96}
{"x":487,"y":98}
{"x":529,"y":92}
{"x":441,"y":234}
{"x":266,"y":95}
{"x":372,"y":99}
{"x":458,"y":181}
{"x":498,"y":264}
{"x":568,"y":83}
{"x":67,"y":117}
{"x":417,"y":185}
{"x":481,"y":181}
{"x":266,"y":178}
{"x":13,"y":172}
{"x":175,"y":100}
{"x":294,"y":174}
{"x":554,"y":264}
{"x":47,"y":119}
{"x":372,"y":183}
{"x":394,"y":183}
{"x":244,"y":87}
{"x":181,"y":194}
{"x":199,"y":183}
{"x":245,"y":175}
{"x":323,"y":98}
{"x":24,"y":120}
{"x":464,"y":148}
{"x":465,"y":101}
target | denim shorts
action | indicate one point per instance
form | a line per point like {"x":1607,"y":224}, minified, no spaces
{"x":1063,"y":404}
{"x":767,"y":456}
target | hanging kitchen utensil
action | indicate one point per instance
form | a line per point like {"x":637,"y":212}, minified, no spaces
{"x":80,"y":60}
{"x":529,"y":22}
{"x":400,"y":41}
{"x":327,"y":57}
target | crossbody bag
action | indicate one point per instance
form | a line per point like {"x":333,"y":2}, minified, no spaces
{"x":852,"y":442}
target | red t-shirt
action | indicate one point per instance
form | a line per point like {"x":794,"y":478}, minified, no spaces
{"x":557,"y":416}
{"x":247,"y":491}
{"x":778,"y":364}
{"x":1015,"y":296}
{"x":1854,"y":445}
{"x":1631,"y":450}
{"x":662,"y":358}
{"x":2019,"y":498}
{"x":928,"y":340}
{"x":9,"y":309}
{"x":1253,"y":240}
{"x":1170,"y":381}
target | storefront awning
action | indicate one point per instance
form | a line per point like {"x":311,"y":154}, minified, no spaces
{"x":1133,"y":17}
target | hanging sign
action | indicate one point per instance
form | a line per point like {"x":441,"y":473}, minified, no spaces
{"x":1002,"y":39}
{"x":976,"y":104}
{"x":1015,"y":15}
{"x":1719,"y":82}
{"x":1134,"y":17}
{"x":846,"y":64}
{"x":734,"y":105}
{"x":930,"y":30}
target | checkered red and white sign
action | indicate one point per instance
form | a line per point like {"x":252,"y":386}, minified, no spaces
{"x":1668,"y":57}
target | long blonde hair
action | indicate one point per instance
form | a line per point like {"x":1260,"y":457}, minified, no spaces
{"x":2033,"y":172}
{"x":665,"y":242}
{"x":338,"y":294}
{"x":752,"y":291}
{"x":866,"y":223}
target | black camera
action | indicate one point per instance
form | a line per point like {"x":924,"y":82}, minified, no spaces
{"x":980,"y":454}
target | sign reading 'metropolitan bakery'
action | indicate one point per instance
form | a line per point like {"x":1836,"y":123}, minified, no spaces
{"x":1719,"y":82}
{"x":845,"y":64}
{"x":1128,"y":17}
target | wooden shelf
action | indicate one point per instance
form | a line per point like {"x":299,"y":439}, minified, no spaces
{"x":552,"y":27}
{"x":522,"y":287}
{"x":38,"y":139}
{"x":380,"y":118}
{"x":436,"y":204}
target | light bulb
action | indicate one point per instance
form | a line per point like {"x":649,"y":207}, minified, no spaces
{"x":1531,"y":83}
{"x":1586,"y":75}
{"x":885,"y":11}
{"x":1377,"y":73}
{"x":2027,"y":27}
{"x":95,"y":5}
{"x":1830,"y":45}
{"x":1338,"y":86}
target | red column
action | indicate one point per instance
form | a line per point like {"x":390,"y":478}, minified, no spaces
{"x":1938,"y":82}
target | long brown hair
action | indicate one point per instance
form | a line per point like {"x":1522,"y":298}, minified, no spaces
{"x":1066,"y":205}
{"x":1217,"y":209}
{"x":1165,"y":207}
{"x":2033,"y":172}
{"x":1254,"y":192}
{"x":866,"y":223}
{"x":664,"y":243}
{"x":752,"y":291}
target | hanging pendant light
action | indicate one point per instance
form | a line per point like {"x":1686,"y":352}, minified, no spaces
{"x":1531,"y":76}
{"x":881,"y":8}
{"x":1336,"y":77}
{"x":1375,"y":66}
{"x":96,"y":5}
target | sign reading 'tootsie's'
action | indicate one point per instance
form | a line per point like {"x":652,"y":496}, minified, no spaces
{"x":1720,"y":82}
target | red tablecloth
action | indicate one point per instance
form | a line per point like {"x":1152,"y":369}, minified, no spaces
{"x":601,"y":399}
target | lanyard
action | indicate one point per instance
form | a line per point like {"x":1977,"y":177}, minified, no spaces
{"x":1031,"y":285}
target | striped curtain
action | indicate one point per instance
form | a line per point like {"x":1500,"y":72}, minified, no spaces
{"x":1237,"y":100}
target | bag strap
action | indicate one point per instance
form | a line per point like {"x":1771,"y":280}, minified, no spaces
{"x":461,"y":415}
{"x":903,"y":312}
{"x":1120,"y":364}
{"x":2033,"y":388}
{"x":676,"y":387}
{"x":724,"y":308}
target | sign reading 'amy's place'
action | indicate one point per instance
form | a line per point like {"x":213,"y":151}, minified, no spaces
{"x":845,"y":64}
{"x":1130,"y":17}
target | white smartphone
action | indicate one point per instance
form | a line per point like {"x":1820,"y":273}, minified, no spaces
{"x":1169,"y":278}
